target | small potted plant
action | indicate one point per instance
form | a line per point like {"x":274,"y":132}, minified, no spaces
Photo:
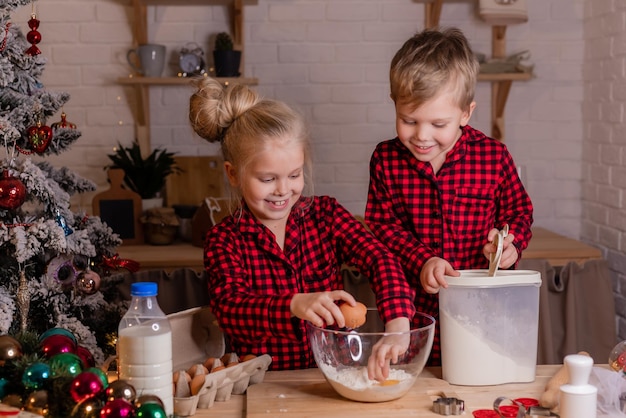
{"x":144,"y":176}
{"x":226,"y":59}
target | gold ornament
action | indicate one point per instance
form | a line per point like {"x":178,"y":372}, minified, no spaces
{"x":10,"y":349}
{"x":37,"y":403}
{"x":23,"y":301}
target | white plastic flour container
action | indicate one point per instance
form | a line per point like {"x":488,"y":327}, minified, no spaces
{"x":489,"y":327}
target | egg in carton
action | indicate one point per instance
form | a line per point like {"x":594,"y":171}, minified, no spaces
{"x":196,"y":338}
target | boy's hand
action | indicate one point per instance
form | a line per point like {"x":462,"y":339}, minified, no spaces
{"x":509,"y":252}
{"x":433,"y":272}
{"x":387,"y":350}
{"x":320,"y":308}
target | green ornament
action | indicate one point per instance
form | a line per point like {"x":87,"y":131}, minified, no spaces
{"x":3,"y":387}
{"x":36,"y":375}
{"x":58,"y":331}
{"x":66,"y":364}
{"x":150,"y":410}
{"x":101,"y":374}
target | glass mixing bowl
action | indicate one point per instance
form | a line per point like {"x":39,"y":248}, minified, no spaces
{"x":342,"y":356}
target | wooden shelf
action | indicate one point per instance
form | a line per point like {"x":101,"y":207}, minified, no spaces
{"x":181,"y":81}
{"x":500,"y":82}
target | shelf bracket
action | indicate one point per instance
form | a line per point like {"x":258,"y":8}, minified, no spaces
{"x":499,"y":95}
{"x":140,"y":27}
{"x":432,"y":13}
{"x":499,"y":89}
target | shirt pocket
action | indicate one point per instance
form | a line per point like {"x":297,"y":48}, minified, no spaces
{"x":473,"y":213}
{"x":320,"y":277}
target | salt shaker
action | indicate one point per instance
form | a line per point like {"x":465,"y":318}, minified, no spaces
{"x":578,"y":398}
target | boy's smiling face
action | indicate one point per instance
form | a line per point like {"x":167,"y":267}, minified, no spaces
{"x":431,"y":130}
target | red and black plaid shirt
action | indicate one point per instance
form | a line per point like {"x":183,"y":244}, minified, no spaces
{"x":252,"y":281}
{"x":419,"y":215}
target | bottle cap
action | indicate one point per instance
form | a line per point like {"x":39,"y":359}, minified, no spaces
{"x":143,"y":289}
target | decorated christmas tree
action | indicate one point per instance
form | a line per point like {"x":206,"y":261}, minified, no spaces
{"x":58,"y":268}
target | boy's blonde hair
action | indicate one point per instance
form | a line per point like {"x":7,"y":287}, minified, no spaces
{"x":429,"y":62}
{"x":242,"y":122}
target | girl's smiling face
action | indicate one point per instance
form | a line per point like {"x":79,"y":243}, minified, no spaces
{"x":272,"y":182}
{"x":431,"y":130}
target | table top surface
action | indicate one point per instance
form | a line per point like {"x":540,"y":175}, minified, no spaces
{"x":545,"y":244}
{"x":305,"y":393}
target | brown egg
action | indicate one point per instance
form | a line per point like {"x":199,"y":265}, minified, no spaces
{"x":197,"y":369}
{"x":248,"y":357}
{"x":217,"y":365}
{"x":229,"y":358}
{"x":354,"y":315}
{"x":197,"y":383}
{"x":208,"y":363}
{"x":183,"y":385}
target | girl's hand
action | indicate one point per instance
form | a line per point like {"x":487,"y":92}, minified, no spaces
{"x":387,"y":350}
{"x":509,"y":252}
{"x":433,"y":272}
{"x":320,"y":308}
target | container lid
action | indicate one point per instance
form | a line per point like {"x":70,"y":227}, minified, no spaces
{"x":480,"y":278}
{"x":143,"y":289}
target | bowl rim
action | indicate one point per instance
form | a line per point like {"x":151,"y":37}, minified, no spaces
{"x":339,"y":331}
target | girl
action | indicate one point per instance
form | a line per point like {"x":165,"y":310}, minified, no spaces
{"x":275,"y":262}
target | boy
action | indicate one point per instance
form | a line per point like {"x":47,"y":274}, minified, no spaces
{"x":440,"y":191}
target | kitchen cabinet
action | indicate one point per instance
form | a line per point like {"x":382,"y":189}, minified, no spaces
{"x":142,"y":85}
{"x":500,"y":83}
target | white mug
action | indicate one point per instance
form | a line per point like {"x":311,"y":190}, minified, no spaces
{"x":151,"y":58}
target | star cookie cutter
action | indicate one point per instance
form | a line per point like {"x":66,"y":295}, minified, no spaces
{"x":448,"y":406}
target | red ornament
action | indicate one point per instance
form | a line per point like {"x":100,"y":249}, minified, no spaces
{"x":34,"y":37}
{"x":85,"y":385}
{"x":39,"y":137}
{"x":12,"y":191}
{"x":86,"y":356}
{"x":115,"y":262}
{"x":117,"y":408}
{"x":63,"y":123}
{"x":57,"y":344}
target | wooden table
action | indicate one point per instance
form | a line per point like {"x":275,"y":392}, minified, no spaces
{"x":305,"y":393}
{"x":557,"y":249}
{"x":545,"y":244}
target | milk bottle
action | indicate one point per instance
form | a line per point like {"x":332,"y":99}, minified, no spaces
{"x":144,"y":346}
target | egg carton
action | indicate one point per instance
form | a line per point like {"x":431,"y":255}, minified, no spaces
{"x":196,"y":336}
{"x":219,"y":386}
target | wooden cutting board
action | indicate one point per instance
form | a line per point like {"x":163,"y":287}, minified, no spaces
{"x":318,"y":399}
{"x":305,"y":393}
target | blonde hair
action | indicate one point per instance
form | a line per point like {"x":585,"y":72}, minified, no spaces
{"x":242,"y":121}
{"x":430,"y":61}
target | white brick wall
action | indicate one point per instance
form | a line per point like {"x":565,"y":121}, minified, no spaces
{"x":330,"y":58}
{"x":604,"y":153}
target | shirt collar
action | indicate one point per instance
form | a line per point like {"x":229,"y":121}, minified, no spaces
{"x":250,"y":224}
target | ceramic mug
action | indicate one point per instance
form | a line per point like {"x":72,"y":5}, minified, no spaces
{"x":151,"y":58}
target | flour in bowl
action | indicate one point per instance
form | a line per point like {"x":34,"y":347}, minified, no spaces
{"x":353,"y":383}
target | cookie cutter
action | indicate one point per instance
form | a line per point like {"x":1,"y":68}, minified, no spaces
{"x":538,"y":411}
{"x":448,"y":406}
{"x":522,"y":412}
